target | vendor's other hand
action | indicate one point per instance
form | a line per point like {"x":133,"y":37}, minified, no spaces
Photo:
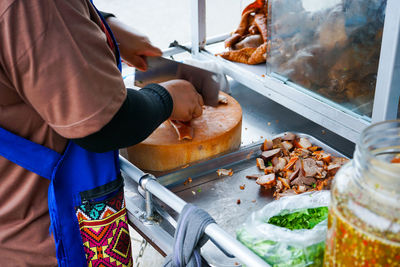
{"x":133,"y":46}
{"x":187,"y":102}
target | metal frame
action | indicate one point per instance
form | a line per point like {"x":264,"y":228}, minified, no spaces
{"x":198,"y":25}
{"x":151,"y":186}
{"x":387,"y":90}
{"x":322,"y":111}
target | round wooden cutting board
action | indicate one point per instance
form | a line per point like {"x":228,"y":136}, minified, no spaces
{"x":216,"y":131}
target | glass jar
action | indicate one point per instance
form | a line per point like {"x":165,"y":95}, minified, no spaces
{"x":364,"y":215}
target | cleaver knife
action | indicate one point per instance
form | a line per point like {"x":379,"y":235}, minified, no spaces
{"x":162,"y":69}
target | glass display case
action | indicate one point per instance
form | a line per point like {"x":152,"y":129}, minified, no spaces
{"x":334,"y":61}
{"x":330,"y":47}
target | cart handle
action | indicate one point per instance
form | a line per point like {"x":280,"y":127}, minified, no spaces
{"x":213,"y":230}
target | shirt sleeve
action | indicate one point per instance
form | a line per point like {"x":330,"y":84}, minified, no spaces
{"x":140,"y":114}
{"x":60,"y":64}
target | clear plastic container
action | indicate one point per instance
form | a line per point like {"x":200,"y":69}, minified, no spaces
{"x":364,"y":215}
{"x":330,"y":47}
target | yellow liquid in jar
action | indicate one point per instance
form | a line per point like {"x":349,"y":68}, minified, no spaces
{"x":348,"y":245}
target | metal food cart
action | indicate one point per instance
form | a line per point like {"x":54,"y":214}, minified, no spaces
{"x":272,"y":104}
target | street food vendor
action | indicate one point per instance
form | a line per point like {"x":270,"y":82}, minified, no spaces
{"x":64,"y":111}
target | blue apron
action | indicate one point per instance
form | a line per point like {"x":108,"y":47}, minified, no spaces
{"x":85,"y":198}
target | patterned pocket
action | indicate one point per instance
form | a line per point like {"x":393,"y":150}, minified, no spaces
{"x":103,"y":223}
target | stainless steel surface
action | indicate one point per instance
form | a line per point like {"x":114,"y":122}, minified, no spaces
{"x":223,"y":192}
{"x":217,"y":234}
{"x":262,"y":118}
{"x":387,"y":91}
{"x":219,"y":195}
{"x":324,"y":112}
{"x":163,"y":69}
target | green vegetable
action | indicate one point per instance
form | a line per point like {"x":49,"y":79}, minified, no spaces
{"x":303,"y":219}
{"x":269,"y":163}
{"x":285,"y":254}
{"x":281,"y":255}
{"x":199,"y":190}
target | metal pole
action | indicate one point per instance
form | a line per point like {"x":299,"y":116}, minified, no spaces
{"x":198,"y":24}
{"x":166,"y":196}
{"x":149,"y":205}
{"x":214,"y":231}
{"x":387,"y":90}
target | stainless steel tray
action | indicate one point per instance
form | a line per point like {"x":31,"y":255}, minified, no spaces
{"x":219,"y":195}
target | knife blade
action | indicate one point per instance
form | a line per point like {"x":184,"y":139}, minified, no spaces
{"x":162,"y":69}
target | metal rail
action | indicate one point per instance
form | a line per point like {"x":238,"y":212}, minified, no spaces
{"x":176,"y":47}
{"x":215,"y":232}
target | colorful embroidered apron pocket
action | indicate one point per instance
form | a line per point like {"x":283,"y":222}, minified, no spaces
{"x":103,"y":223}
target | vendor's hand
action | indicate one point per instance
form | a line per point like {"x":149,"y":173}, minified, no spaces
{"x":133,"y":46}
{"x":187,"y":102}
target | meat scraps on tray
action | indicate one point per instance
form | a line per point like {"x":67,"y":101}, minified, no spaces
{"x":293,"y":165}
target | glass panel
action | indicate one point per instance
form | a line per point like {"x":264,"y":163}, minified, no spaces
{"x":331,"y":47}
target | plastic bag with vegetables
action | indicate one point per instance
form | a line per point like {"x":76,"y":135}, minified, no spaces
{"x":290,"y":231}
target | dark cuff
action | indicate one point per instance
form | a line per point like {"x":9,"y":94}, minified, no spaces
{"x":163,"y":94}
